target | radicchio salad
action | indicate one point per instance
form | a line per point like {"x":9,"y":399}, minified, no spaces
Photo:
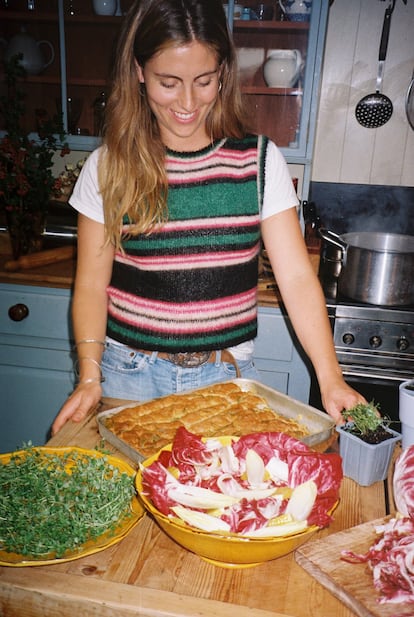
{"x":258,"y":485}
{"x":391,"y":557}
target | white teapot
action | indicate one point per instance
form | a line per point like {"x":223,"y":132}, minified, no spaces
{"x":296,"y":10}
{"x":282,"y":68}
{"x":33,"y":60}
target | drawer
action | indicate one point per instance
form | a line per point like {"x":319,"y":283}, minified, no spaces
{"x":48,"y":312}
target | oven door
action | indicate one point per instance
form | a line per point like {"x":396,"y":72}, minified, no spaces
{"x":378,"y":386}
{"x":375,"y":384}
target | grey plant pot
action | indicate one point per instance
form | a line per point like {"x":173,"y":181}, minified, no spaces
{"x":364,"y":462}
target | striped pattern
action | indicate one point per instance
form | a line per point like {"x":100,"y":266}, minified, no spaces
{"x":191,"y":284}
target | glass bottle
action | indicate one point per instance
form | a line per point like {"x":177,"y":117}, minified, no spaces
{"x":99,"y":107}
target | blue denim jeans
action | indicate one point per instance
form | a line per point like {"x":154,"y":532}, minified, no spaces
{"x":135,"y":376}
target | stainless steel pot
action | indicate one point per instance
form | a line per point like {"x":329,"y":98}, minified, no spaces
{"x":377,"y":268}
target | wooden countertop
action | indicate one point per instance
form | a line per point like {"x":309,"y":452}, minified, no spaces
{"x":147,"y":574}
{"x":60,"y":274}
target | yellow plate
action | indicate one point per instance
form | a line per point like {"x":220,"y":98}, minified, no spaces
{"x":92,"y":546}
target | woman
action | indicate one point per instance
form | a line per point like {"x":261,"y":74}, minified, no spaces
{"x":172,"y":210}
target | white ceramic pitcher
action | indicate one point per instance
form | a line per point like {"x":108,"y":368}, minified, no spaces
{"x":105,"y":7}
{"x":32,"y":60}
{"x":282,"y":68}
{"x":296,"y":10}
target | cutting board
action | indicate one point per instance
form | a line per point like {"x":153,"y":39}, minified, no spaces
{"x":351,"y":583}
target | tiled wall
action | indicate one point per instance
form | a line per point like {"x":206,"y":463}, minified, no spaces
{"x":345,"y":152}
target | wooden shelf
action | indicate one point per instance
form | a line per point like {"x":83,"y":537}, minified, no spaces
{"x":272,"y":91}
{"x":70,"y":20}
{"x":241,"y":24}
{"x":28,"y":16}
{"x":95,"y":20}
{"x":51,"y":80}
{"x":81,"y":81}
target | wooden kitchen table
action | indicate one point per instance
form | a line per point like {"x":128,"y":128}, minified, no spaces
{"x":147,"y":574}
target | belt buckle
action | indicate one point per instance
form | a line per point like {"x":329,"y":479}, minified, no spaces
{"x":189,"y":359}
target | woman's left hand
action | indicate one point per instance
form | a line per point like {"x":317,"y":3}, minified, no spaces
{"x":337,"y":396}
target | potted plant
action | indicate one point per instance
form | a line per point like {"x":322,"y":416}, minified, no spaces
{"x":26,"y":177}
{"x":366,"y":444}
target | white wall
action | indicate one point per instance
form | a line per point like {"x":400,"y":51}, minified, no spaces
{"x":344,"y":150}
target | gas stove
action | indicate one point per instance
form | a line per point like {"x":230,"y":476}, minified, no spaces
{"x":370,"y":338}
{"x":373,"y":340}
{"x":375,"y":349}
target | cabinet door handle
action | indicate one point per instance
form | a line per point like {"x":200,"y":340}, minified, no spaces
{"x":18,"y":312}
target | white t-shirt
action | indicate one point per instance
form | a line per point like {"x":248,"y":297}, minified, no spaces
{"x":279,"y":194}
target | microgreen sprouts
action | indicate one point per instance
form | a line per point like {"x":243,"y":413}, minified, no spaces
{"x":54,"y":503}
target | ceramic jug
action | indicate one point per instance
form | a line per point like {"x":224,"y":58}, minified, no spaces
{"x":296,"y":10}
{"x":105,"y":7}
{"x":282,"y":68}
{"x":33,"y":60}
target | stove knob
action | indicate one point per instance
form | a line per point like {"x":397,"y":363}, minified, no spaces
{"x":375,"y":341}
{"x":403,"y":344}
{"x":348,"y":338}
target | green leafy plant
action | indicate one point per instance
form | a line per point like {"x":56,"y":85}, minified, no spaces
{"x":26,"y":176}
{"x":365,"y":421}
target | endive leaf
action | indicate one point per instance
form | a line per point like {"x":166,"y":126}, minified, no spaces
{"x":282,"y":519}
{"x":255,"y":468}
{"x":278,"y":530}
{"x":301,"y":502}
{"x":201,"y":520}
{"x":254,"y":493}
{"x":278,"y":469}
{"x":229,"y":486}
{"x":198,"y":497}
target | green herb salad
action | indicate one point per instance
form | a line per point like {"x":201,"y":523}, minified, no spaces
{"x":55,"y":500}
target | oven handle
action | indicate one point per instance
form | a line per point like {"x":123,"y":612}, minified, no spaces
{"x":373,"y":375}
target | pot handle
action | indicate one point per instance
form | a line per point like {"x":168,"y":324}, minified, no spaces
{"x":333,"y":238}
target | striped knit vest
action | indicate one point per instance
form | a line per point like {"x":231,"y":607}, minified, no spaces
{"x":191,"y":285}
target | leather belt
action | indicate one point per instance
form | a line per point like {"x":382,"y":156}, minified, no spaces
{"x":192,"y":359}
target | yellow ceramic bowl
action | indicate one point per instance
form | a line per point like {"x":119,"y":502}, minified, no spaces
{"x":226,"y":550}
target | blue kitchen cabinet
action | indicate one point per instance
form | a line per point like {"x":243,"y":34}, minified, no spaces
{"x":278,"y":356}
{"x":36,"y":368}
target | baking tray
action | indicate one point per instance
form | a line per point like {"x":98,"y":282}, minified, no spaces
{"x":319,"y":424}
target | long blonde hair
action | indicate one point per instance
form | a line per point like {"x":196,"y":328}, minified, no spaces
{"x":132,"y":175}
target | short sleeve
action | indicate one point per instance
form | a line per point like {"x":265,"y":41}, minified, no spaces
{"x":86,"y":197}
{"x":279,"y":193}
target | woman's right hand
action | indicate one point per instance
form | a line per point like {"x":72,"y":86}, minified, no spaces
{"x":89,"y":314}
{"x":84,"y":398}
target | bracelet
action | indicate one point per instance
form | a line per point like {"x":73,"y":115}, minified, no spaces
{"x":101,"y":378}
{"x":90,"y":340}
{"x":91,"y":380}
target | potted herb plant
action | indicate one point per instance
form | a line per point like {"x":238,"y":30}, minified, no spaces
{"x":26,"y":176}
{"x":366,"y":444}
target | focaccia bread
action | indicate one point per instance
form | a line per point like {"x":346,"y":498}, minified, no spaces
{"x":220,"y":409}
